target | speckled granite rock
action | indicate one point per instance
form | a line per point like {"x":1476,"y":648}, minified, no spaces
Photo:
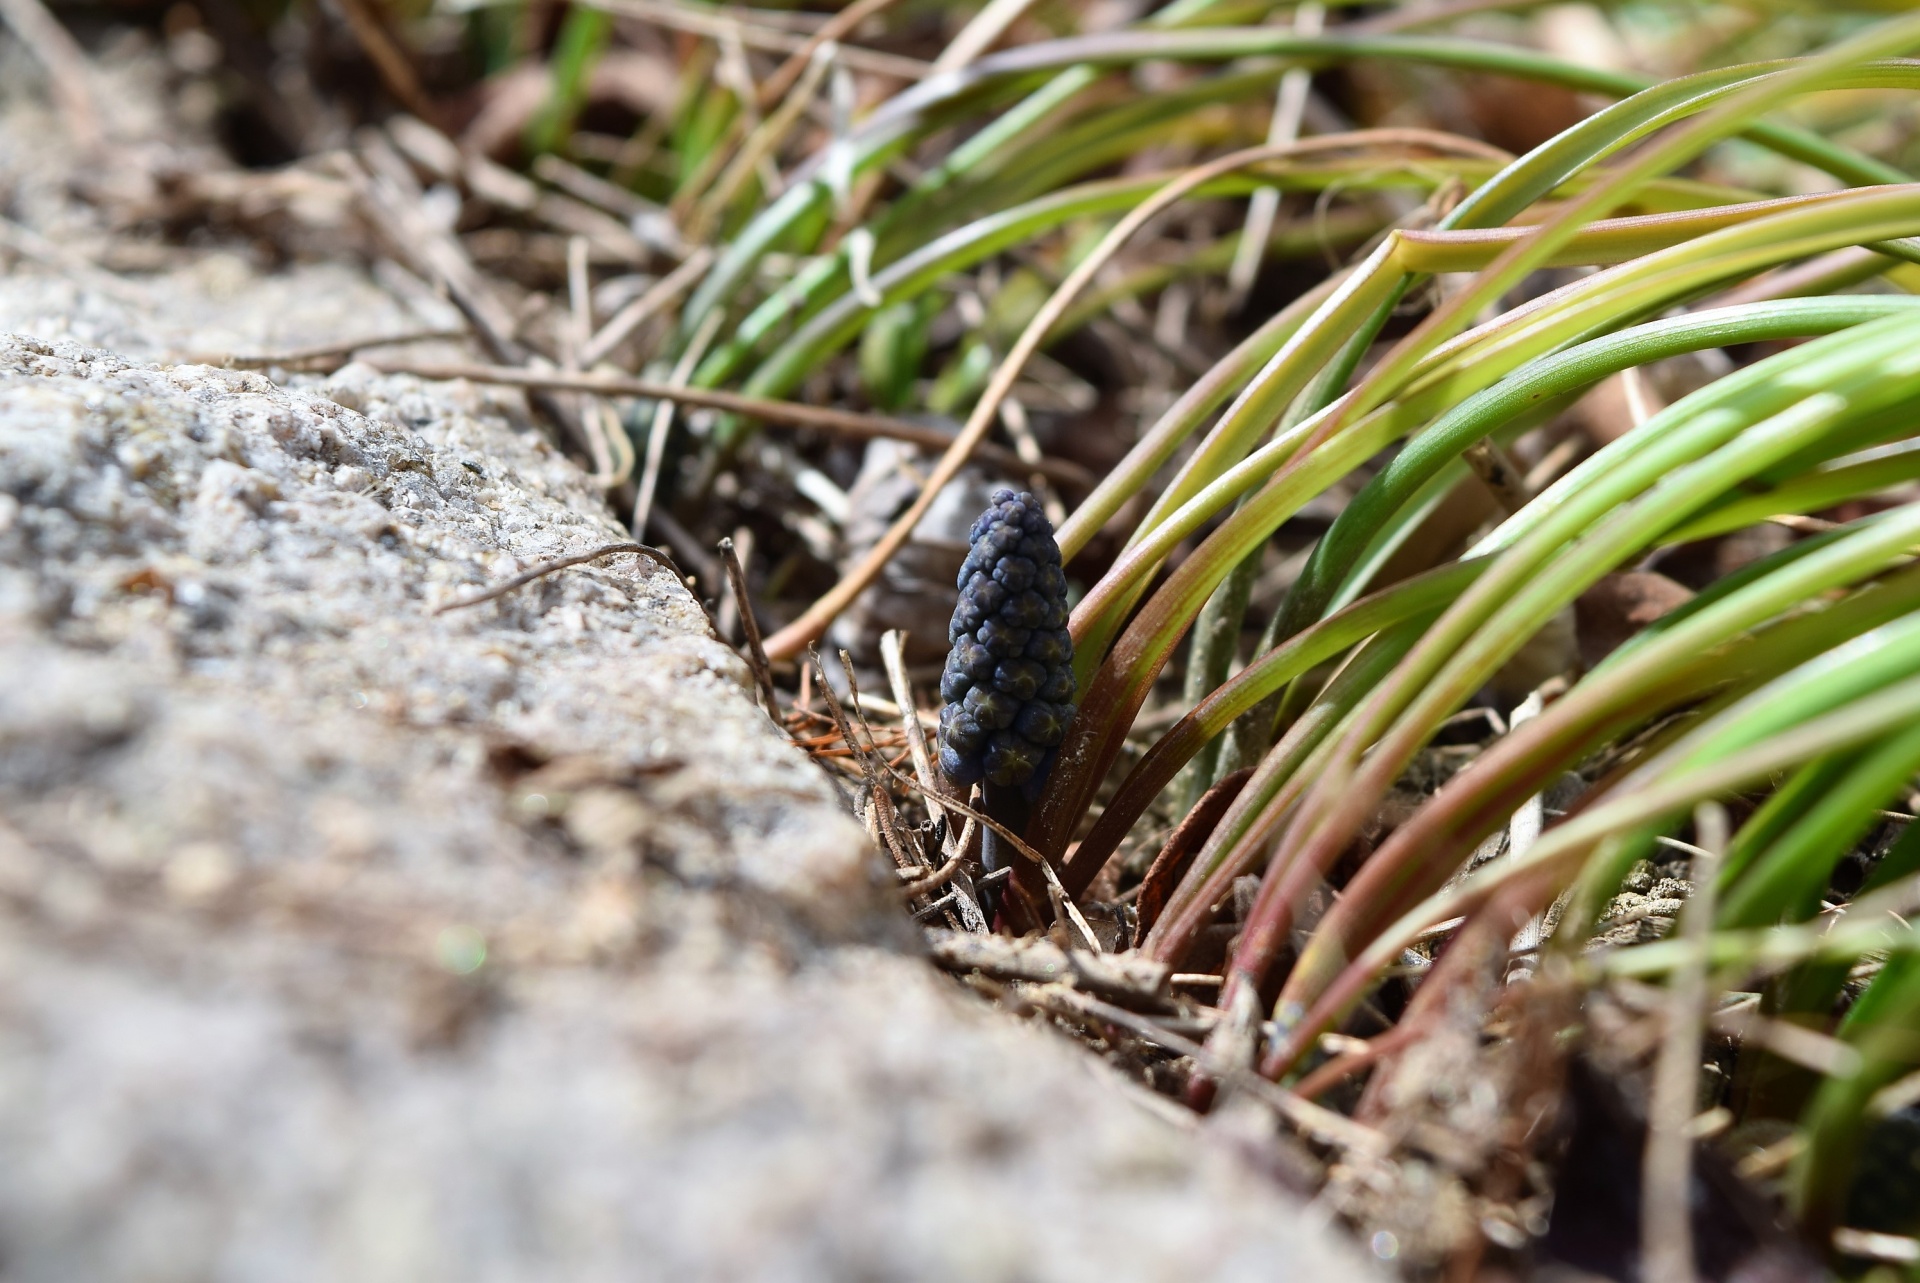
{"x":339,"y":940}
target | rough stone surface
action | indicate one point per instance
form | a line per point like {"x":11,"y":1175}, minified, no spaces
{"x":340,"y":940}
{"x":343,"y":941}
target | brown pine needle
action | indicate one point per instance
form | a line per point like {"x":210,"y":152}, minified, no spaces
{"x":546,"y":568}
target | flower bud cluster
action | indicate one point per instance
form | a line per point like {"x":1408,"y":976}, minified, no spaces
{"x":1008,"y":684}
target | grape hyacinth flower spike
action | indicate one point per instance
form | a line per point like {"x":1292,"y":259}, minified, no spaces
{"x":1008,"y":685}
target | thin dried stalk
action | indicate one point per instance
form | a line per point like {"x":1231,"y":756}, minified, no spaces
{"x":323,"y":357}
{"x":750,"y":626}
{"x":842,"y":24}
{"x":893,"y":659}
{"x":880,"y":805}
{"x":546,"y":568}
{"x":979,"y":35}
{"x":845,"y":423}
{"x":716,"y":24}
{"x":660,"y":296}
{"x":1666,"y":1215}
{"x":663,"y":424}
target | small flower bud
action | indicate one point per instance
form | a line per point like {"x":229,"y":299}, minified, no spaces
{"x":1008,"y":683}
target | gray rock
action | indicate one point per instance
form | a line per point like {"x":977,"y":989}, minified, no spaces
{"x":341,"y":940}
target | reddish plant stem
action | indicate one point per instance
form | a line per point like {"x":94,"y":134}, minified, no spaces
{"x":1183,"y":844}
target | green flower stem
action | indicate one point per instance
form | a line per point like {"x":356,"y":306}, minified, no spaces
{"x":1823,"y":488}
{"x":1506,"y":196}
{"x":1523,"y":182}
{"x":835,"y":325}
{"x":903,"y":227}
{"x":1771,"y":652}
{"x":997,"y":136}
{"x":1701,"y":422}
{"x":1777,"y":816}
{"x":1847,"y":672}
{"x":1603,"y":242}
{"x":1357,"y":305}
{"x":1210,"y":654}
{"x":1773,"y":949}
{"x":1104,"y":136}
{"x":1180,"y":421}
{"x":1471,"y":363}
{"x":1716,"y":123}
{"x":816,"y":618}
{"x":1339,"y":229}
{"x":1185,"y":416}
{"x":1217,"y":640}
{"x":1373,"y":522}
{"x":1892,"y":888}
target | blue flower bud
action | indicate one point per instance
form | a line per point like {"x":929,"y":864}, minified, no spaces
{"x":1008,"y":683}
{"x":1010,"y":759}
{"x":973,"y":659}
{"x":1001,"y":636}
{"x":1052,"y":647}
{"x":954,"y":685}
{"x":991,"y":708}
{"x":1028,"y":610}
{"x":1042,"y":723}
{"x":1015,"y":574}
{"x":959,"y":769}
{"x":1020,"y":678}
{"x":1058,"y":688}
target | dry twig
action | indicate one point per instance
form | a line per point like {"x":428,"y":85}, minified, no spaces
{"x":391,"y":62}
{"x":1129,"y":978}
{"x":756,"y":655}
{"x":718,"y":24}
{"x":880,"y":813}
{"x":1317,"y":1121}
{"x":933,"y":881}
{"x":986,"y":410}
{"x":774,"y":88}
{"x":323,"y":357}
{"x":660,"y":296}
{"x":1048,"y":873}
{"x":662,"y":424}
{"x":844,"y":423}
{"x":546,"y":568}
